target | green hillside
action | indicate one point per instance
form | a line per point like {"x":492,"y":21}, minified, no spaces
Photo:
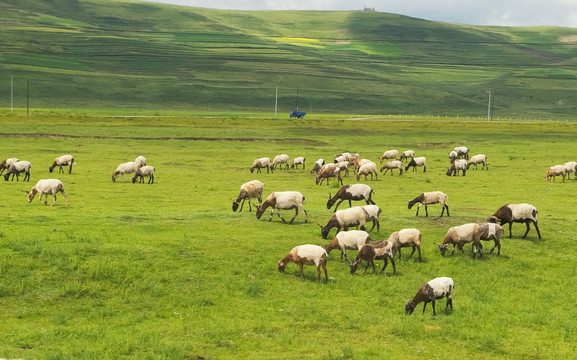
{"x":141,"y":55}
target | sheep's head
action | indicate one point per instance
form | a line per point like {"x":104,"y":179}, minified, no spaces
{"x":31,"y":194}
{"x":51,"y":169}
{"x":234,"y":205}
{"x":409,"y":307}
{"x":259,"y":212}
{"x":492,"y":219}
{"x":442,"y":248}
{"x":411,"y":203}
{"x":281,"y":266}
{"x":354,"y":266}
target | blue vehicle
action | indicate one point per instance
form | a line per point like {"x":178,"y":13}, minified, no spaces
{"x":298,"y":114}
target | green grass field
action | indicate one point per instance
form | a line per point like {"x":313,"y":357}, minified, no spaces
{"x":168,"y":271}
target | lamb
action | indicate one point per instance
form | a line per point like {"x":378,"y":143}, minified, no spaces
{"x":428,"y":198}
{"x":354,"y":192}
{"x":491,"y":231}
{"x":261,"y":164}
{"x":478,"y":159}
{"x":141,"y":172}
{"x":461,"y":235}
{"x":353,"y":240}
{"x":406,"y":238}
{"x":418,"y":161}
{"x":317,"y":166}
{"x":279,"y":160}
{"x":380,"y":250}
{"x":248,"y":191}
{"x":409,"y":154}
{"x":140,"y":161}
{"x":396,"y":164}
{"x":5,"y":165}
{"x":298,"y":161}
{"x":283,"y":200}
{"x":431,"y":291}
{"x":554,"y":171}
{"x":462,"y":151}
{"x":306,"y":255}
{"x":366,"y":169}
{"x":570,"y":167}
{"x":126,"y":168}
{"x":47,"y":187}
{"x":373,"y":213}
{"x":17,"y":168}
{"x":458,"y":165}
{"x":521,"y":213}
{"x":343,"y":219}
{"x":64,"y":160}
{"x":328,"y":171}
{"x":389,"y":154}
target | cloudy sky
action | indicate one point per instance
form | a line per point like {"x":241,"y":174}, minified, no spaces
{"x":474,"y":12}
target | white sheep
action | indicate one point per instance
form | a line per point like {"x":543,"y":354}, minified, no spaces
{"x":389,"y":154}
{"x":317,"y":166}
{"x":306,"y":255}
{"x":343,"y":219}
{"x":357,"y":163}
{"x":453,"y":155}
{"x":408,"y":154}
{"x":478,"y":159}
{"x":125,"y":168}
{"x":5,"y":165}
{"x":141,"y":172}
{"x":431,"y":291}
{"x":492,"y":231}
{"x":140,"y":161}
{"x":366,"y":169}
{"x":341,"y":157}
{"x":521,"y":213}
{"x":418,"y":161}
{"x":380,"y":250}
{"x":300,"y":160}
{"x":344,"y":166}
{"x":356,"y":192}
{"x":461,"y":235}
{"x":462,"y":151}
{"x":428,"y":198}
{"x":373,"y":213}
{"x":261,"y":164}
{"x":248,"y":191}
{"x":570,"y":167}
{"x":406,"y":238}
{"x":391,"y":165}
{"x":17,"y":168}
{"x":47,"y":187}
{"x":64,"y":160}
{"x":283,"y":200}
{"x":456,"y":166}
{"x":279,"y":160}
{"x":554,"y":171}
{"x":352,"y":240}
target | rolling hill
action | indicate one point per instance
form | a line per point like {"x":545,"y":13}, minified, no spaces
{"x":141,"y":55}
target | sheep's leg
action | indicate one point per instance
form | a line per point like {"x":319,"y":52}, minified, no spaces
{"x":418,"y":208}
{"x":419,"y":248}
{"x":537,"y":228}
{"x":425,"y":306}
{"x":301,"y":271}
{"x":283,"y":220}
{"x":434,"y":312}
{"x":386,"y":262}
{"x":449,"y":302}
{"x":53,"y":199}
{"x":412,"y":252}
{"x":324,"y":265}
{"x":528,"y":227}
{"x":426,"y":211}
{"x":306,"y":215}
{"x":271,"y":213}
{"x":294,"y":217}
{"x":242,"y":204}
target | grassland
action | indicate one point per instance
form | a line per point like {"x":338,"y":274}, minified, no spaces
{"x":103,"y":54}
{"x":168,"y":271}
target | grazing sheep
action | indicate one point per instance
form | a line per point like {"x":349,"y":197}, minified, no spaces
{"x":453,"y":155}
{"x":492,"y":231}
{"x":140,"y":161}
{"x":279,"y":160}
{"x":389,"y":154}
{"x":344,"y":166}
{"x":429,"y":198}
{"x":329,"y":171}
{"x":306,"y":255}
{"x":126,"y":168}
{"x":47,"y":187}
{"x":396,"y":164}
{"x":409,"y":154}
{"x":461,"y":235}
{"x":554,"y":171}
{"x":431,"y":291}
{"x":380,"y":250}
{"x":64,"y":160}
{"x":456,"y":166}
{"x":317,"y":166}
{"x":354,"y":192}
{"x":261,"y":164}
{"x":462,"y":152}
{"x":298,"y":161}
{"x":352,"y":239}
{"x":283,"y":200}
{"x":341,"y":157}
{"x":406,"y":238}
{"x":366,"y":169}
{"x":478,"y":159}
{"x":570,"y":167}
{"x":141,"y":172}
{"x":5,"y":165}
{"x":17,"y":168}
{"x":373,"y":214}
{"x":418,"y":161}
{"x":248,"y":191}
{"x":357,"y":163}
{"x":520,"y":213}
{"x":343,"y":219}
{"x":351,"y":158}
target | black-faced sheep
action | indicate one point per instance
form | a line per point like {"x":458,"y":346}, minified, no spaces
{"x":248,"y":191}
{"x":306,"y":255}
{"x":406,"y":238}
{"x":429,"y":198}
{"x":396,"y":164}
{"x":298,"y":161}
{"x":47,"y":187}
{"x":352,"y":240}
{"x":356,"y":192}
{"x":64,"y":160}
{"x":408,"y":154}
{"x":520,"y":213}
{"x":317,"y":166}
{"x":456,"y":166}
{"x":344,"y":219}
{"x":380,"y":250}
{"x":462,"y":152}
{"x":283,"y":200}
{"x":418,"y":161}
{"x":143,"y":171}
{"x":461,"y":235}
{"x":17,"y":168}
{"x":5,"y":165}
{"x":261,"y":164}
{"x":431,"y":291}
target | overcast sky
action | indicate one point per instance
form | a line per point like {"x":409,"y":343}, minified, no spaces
{"x":474,"y":12}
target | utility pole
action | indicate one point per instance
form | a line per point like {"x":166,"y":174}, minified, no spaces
{"x":276,"y":103}
{"x":27,"y":97}
{"x":11,"y":92}
{"x":489,"y":109}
